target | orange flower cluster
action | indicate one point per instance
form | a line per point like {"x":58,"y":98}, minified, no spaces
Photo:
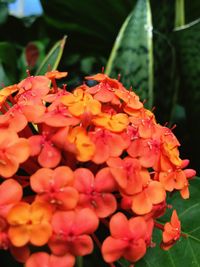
{"x":74,"y":162}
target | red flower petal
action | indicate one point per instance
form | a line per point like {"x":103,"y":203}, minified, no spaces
{"x":84,"y":180}
{"x":86,"y":222}
{"x":113,"y":249}
{"x":135,"y":251}
{"x":49,"y":157}
{"x":119,"y":226}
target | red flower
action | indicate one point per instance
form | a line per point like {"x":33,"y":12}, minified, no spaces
{"x":43,"y":259}
{"x":95,"y":192}
{"x":71,"y":232}
{"x":11,"y":193}
{"x":129,"y":174}
{"x":128,"y":238}
{"x":55,"y":187}
{"x":105,"y":90}
{"x":49,"y":155}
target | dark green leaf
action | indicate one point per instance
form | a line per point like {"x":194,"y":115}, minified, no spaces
{"x":192,"y":10}
{"x":188,"y":50}
{"x":53,"y":58}
{"x":90,"y":24}
{"x":8,"y":60}
{"x":165,"y":76}
{"x":4,"y":80}
{"x":132,"y":55}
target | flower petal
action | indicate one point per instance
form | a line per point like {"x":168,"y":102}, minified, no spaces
{"x":86,"y":222}
{"x":82,"y":245}
{"x":113,"y":249}
{"x":19,"y":235}
{"x":119,"y":227}
{"x":135,"y":251}
{"x":40,"y":233}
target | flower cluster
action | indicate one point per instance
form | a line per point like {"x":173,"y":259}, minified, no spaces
{"x":73,"y":162}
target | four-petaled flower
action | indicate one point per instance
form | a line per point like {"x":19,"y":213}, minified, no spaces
{"x":30,"y":223}
{"x":49,"y":260}
{"x":13,"y":151}
{"x":95,"y":192}
{"x":128,"y":238}
{"x":55,"y":186}
{"x":71,"y":230}
{"x":172,"y":232}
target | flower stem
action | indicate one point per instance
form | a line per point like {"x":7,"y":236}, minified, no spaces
{"x":179,"y":13}
{"x":79,"y":261}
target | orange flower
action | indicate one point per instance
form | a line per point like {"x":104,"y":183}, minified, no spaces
{"x":6,"y":92}
{"x":81,"y":102}
{"x":160,"y":151}
{"x":129,"y":174}
{"x":153,"y":193}
{"x":131,"y":101}
{"x":107,"y":144}
{"x":30,"y":223}
{"x":85,"y":148}
{"x":13,"y":151}
{"x":144,"y":122}
{"x":172,"y":232}
{"x":114,"y":123}
{"x":55,"y":74}
{"x":173,"y":179}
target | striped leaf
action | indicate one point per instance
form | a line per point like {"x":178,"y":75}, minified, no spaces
{"x":132,"y":53}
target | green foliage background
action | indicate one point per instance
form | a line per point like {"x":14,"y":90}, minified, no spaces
{"x":154,"y":45}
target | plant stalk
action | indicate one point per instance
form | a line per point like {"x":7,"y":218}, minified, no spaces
{"x":179,"y":13}
{"x":79,"y":261}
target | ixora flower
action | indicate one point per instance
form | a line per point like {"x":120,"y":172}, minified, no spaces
{"x":129,"y":238}
{"x":75,"y":163}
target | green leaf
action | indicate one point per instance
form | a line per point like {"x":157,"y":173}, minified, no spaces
{"x":192,"y":10}
{"x":188,"y":50}
{"x":186,"y":252}
{"x":53,"y":58}
{"x":4,"y":80}
{"x":8,"y":60}
{"x":132,"y":54}
{"x":163,"y":13}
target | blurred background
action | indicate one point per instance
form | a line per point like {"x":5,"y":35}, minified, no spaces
{"x":157,"y":51}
